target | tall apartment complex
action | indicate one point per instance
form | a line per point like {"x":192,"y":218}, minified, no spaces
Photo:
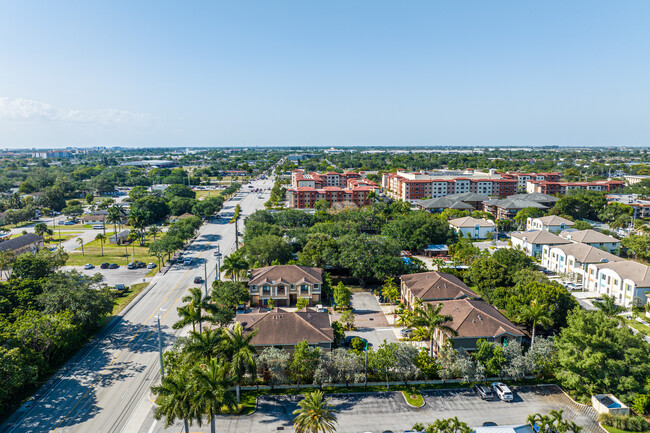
{"x":425,"y":184}
{"x":308,"y":188}
{"x":551,"y":188}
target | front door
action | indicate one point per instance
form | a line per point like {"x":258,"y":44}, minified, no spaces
{"x":292,"y":298}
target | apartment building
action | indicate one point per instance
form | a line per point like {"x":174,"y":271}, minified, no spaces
{"x":475,"y":228}
{"x":306,"y":197}
{"x":419,"y":185}
{"x":593,"y":238}
{"x":507,"y":208}
{"x":561,"y":188}
{"x":524,"y":178}
{"x":627,"y":281}
{"x":285,"y":284}
{"x":574,"y":259}
{"x":433,"y":286}
{"x":320,"y":180}
{"x":641,"y":206}
{"x":551,"y":223}
{"x":533,"y":242}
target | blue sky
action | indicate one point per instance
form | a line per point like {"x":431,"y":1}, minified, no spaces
{"x":330,"y":73}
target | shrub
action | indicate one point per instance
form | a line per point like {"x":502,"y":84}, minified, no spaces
{"x":641,"y":404}
{"x":627,"y":423}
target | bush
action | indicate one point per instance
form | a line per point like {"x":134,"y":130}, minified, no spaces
{"x":641,"y":404}
{"x":627,"y":423}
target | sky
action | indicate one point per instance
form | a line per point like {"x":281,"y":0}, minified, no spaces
{"x":324,"y":73}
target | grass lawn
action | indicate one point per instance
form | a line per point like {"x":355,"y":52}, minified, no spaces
{"x":112,"y":254}
{"x":200,"y":193}
{"x":644,"y":329}
{"x":121,"y":302}
{"x":414,"y":398}
{"x":615,"y":430}
{"x":55,"y":239}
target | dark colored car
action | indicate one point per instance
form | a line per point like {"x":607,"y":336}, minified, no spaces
{"x":141,"y":265}
{"x":198,"y":280}
{"x":484,"y":392}
{"x":104,"y":266}
{"x":113,"y":266}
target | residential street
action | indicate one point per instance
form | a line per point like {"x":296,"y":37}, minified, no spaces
{"x":106,"y":387}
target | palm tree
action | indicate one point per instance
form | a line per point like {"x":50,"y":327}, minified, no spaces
{"x":101,"y":238}
{"x":153,"y":231}
{"x":198,"y":303}
{"x":115,"y":215}
{"x":80,"y":241}
{"x":314,"y":415}
{"x":234,"y":266}
{"x":174,"y":400}
{"x":6,"y":258}
{"x":41,"y":229}
{"x":609,"y":308}
{"x":428,"y":320}
{"x":138,"y":218}
{"x":188,"y":314}
{"x":211,"y":393}
{"x":203,"y":346}
{"x":241,"y":353}
{"x":537,"y":314}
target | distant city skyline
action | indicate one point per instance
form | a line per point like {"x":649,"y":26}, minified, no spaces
{"x":322,"y":74}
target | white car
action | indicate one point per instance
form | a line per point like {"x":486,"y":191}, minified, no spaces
{"x":502,"y":390}
{"x":88,"y":266}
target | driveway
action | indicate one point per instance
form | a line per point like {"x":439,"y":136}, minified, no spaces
{"x":370,"y":320}
{"x":379,"y":412}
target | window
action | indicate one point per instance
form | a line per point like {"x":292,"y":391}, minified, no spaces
{"x":253,"y":288}
{"x":304,"y":288}
{"x":266,"y":290}
{"x":281,"y":290}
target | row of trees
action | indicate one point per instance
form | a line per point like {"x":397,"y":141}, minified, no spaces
{"x":45,"y":316}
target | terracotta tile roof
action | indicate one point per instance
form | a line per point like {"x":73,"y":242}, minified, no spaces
{"x":475,"y":318}
{"x":290,"y":274}
{"x":282,"y":328}
{"x":435,"y":286}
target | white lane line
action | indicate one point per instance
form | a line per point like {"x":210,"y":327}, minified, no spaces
{"x":153,"y":426}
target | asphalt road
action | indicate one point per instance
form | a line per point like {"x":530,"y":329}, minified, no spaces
{"x":107,"y":388}
{"x":387,"y":411}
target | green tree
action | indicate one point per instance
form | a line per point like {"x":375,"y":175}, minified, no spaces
{"x":303,"y":363}
{"x":428,"y":320}
{"x":447,"y":425}
{"x":390,"y":290}
{"x":28,"y":266}
{"x":535,"y":314}
{"x":487,"y":274}
{"x":302,"y":303}
{"x":347,"y":318}
{"x":609,"y":307}
{"x":315,"y":414}
{"x":241,"y":353}
{"x":229,"y":294}
{"x":211,"y":393}
{"x":80,"y":241}
{"x":139,"y":219}
{"x":491,"y":356}
{"x":416,"y":230}
{"x":6,"y":259}
{"x":530,"y":212}
{"x":638,"y":245}
{"x":234,"y":266}
{"x":266,"y":249}
{"x":596,"y":356}
{"x":41,"y":229}
{"x":320,"y":250}
{"x":342,"y":295}
{"x":203,"y":346}
{"x":115,"y":215}
{"x":196,"y":303}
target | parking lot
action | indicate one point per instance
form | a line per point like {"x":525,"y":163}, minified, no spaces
{"x":370,"y":320}
{"x":121,"y":275}
{"x":387,"y":411}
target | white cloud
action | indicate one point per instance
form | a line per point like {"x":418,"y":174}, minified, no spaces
{"x":27,"y":109}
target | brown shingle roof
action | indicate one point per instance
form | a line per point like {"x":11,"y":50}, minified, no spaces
{"x":474,"y":318}
{"x":290,"y":274}
{"x":436,"y":286}
{"x":282,"y":328}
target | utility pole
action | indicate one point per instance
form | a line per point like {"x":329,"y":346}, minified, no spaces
{"x":365,"y":364}
{"x":218,"y":263}
{"x":205,"y":270}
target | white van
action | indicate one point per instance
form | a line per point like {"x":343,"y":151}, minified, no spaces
{"x":98,"y":226}
{"x":503,"y":392}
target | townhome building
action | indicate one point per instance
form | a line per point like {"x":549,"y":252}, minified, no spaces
{"x":573,"y":259}
{"x":433,"y":286}
{"x":561,"y":188}
{"x":532,"y":242}
{"x":285,"y":284}
{"x":27,"y":243}
{"x":475,"y":228}
{"x":551,"y":223}
{"x":626,"y":280}
{"x":593,"y":238}
{"x":283,"y":329}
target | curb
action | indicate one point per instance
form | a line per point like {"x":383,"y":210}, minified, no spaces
{"x":407,"y":402}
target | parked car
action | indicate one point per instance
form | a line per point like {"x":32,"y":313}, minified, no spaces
{"x":131,"y":266}
{"x":484,"y":392}
{"x":187,"y":261}
{"x":120,"y":287}
{"x":151,"y":265}
{"x":113,"y":266}
{"x":198,"y":280}
{"x":88,"y":266}
{"x":68,"y":223}
{"x":406,"y":332}
{"x":502,"y":391}
{"x":140,"y":264}
{"x":104,"y":266}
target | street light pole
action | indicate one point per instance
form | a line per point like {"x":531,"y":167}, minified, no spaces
{"x":205,"y":270}
{"x":365,"y":364}
{"x":160,"y":353}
